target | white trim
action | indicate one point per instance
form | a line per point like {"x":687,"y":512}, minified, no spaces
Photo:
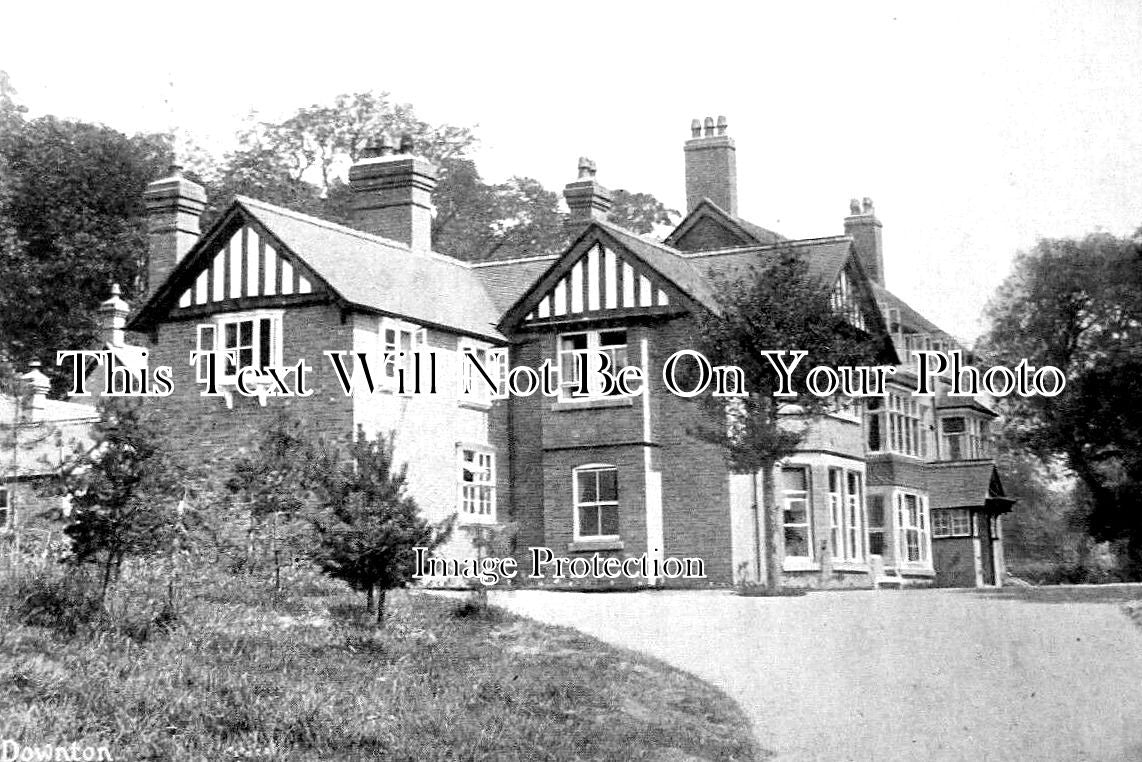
{"x":483,"y":463}
{"x":597,"y":503}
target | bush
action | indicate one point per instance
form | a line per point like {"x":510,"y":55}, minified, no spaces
{"x":49,"y":599}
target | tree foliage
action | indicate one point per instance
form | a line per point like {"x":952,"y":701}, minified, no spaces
{"x":124,"y":492}
{"x":367,"y":526}
{"x":1077,"y":305}
{"x":776,"y":307}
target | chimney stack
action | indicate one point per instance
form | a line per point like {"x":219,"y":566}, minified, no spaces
{"x":392,"y":193}
{"x":864,"y":228}
{"x":586,"y":199}
{"x":113,"y":318}
{"x":711,"y":165}
{"x":174,"y":206}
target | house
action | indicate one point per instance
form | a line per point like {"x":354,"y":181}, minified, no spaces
{"x":40,"y":436}
{"x":875,"y":495}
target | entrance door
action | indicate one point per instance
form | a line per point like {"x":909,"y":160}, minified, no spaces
{"x":986,"y":550}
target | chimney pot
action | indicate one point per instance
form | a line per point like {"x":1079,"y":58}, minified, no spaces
{"x":711,"y":166}
{"x":586,"y":199}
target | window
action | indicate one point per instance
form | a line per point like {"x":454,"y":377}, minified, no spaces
{"x":249,"y":339}
{"x":399,"y":340}
{"x":845,"y":509}
{"x":5,"y":507}
{"x":477,"y":485}
{"x":493,"y":361}
{"x":853,"y":511}
{"x":951,"y":522}
{"x":596,"y":502}
{"x":876,"y":525}
{"x":795,"y":487}
{"x":965,"y":438}
{"x":913,"y":527}
{"x":898,"y":423}
{"x":587,"y":344}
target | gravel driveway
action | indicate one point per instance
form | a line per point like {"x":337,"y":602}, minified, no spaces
{"x":891,"y":675}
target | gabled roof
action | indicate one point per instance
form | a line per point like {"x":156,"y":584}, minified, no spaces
{"x":825,"y":256}
{"x":746,"y":233}
{"x":507,"y":280}
{"x":911,"y":320}
{"x":361,"y":270}
{"x":666,"y":265}
{"x":966,"y":484}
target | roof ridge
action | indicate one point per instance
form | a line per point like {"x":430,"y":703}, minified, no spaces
{"x":517,"y":260}
{"x":767,"y":246}
{"x":606,"y":224}
{"x":345,"y":229}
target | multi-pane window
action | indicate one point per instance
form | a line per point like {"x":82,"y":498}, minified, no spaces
{"x":898,"y":423}
{"x":965,"y":438}
{"x":575,"y":349}
{"x":876,"y":525}
{"x":795,"y":493}
{"x":477,"y":485}
{"x":596,"y":501}
{"x":845,"y":509}
{"x":399,"y":340}
{"x":913,"y":527}
{"x":951,"y":522}
{"x":245,"y":339}
{"x":474,"y":387}
{"x":5,"y":507}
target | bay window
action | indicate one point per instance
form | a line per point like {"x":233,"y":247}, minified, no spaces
{"x":876,"y":525}
{"x":911,"y":521}
{"x":898,"y":423}
{"x":845,"y":515}
{"x":795,"y":513}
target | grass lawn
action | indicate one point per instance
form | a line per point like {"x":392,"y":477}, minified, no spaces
{"x":307,"y":678}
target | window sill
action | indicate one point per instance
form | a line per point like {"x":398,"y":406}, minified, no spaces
{"x":580,"y":546}
{"x":851,"y":566}
{"x":474,"y":405}
{"x":800,"y":564}
{"x":563,"y":406}
{"x":475,"y":521}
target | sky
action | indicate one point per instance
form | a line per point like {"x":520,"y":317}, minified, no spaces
{"x":976,"y":128}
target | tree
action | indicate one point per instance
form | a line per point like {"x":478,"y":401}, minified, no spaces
{"x":764,"y":309}
{"x":1077,"y":305}
{"x":274,"y":480}
{"x":72,"y":221}
{"x":124,"y":492}
{"x":367,"y":526}
{"x":640,"y":212}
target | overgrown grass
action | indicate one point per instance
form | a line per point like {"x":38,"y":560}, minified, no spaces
{"x":243,"y":674}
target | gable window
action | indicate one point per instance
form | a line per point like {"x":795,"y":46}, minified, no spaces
{"x":951,"y":522}
{"x":5,"y":507}
{"x":494,"y":361}
{"x":596,"y":502}
{"x":399,"y":343}
{"x":913,"y":527}
{"x":585,"y":346}
{"x":246,"y":339}
{"x":477,"y":494}
{"x":876,"y":525}
{"x":795,"y":494}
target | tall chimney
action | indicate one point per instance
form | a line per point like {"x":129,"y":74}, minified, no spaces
{"x":586,"y":199}
{"x":174,"y":206}
{"x":392,"y":193}
{"x":864,"y":228}
{"x":711,"y":165}
{"x":113,"y":318}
